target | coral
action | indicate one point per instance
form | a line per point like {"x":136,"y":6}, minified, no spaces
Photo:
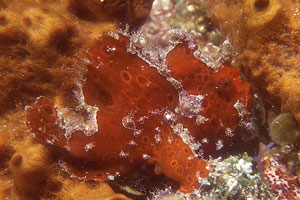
{"x":12,"y":137}
{"x":45,"y":28}
{"x":4,"y":148}
{"x":234,"y":178}
{"x":265,"y":34}
{"x":6,"y":186}
{"x":132,"y":12}
{"x":155,"y":117}
{"x":83,"y":191}
{"x":30,"y":163}
{"x":278,"y":177}
{"x":36,"y":52}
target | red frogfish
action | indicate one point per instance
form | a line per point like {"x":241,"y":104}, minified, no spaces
{"x":172,"y":118}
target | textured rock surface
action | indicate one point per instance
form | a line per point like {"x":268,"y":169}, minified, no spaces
{"x":266,"y":35}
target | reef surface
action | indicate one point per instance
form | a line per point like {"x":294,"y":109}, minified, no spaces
{"x":107,"y":100}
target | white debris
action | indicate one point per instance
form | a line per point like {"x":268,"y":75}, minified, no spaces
{"x":205,"y":140}
{"x":124,"y":154}
{"x":157,"y":138}
{"x":229,"y":132}
{"x":170,"y":117}
{"x":128,"y":122}
{"x":146,"y":156}
{"x":111,"y":177}
{"x":72,"y":120}
{"x":132,"y":142}
{"x":89,"y":146}
{"x":54,"y":138}
{"x":186,"y":137}
{"x":244,"y":166}
{"x":137,"y":133}
{"x":201,"y":119}
{"x":190,"y":105}
{"x":219,"y":145}
{"x":241,"y":109}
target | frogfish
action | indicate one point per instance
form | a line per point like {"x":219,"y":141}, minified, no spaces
{"x":173,"y":117}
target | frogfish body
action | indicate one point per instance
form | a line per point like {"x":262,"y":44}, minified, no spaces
{"x":172,"y":120}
